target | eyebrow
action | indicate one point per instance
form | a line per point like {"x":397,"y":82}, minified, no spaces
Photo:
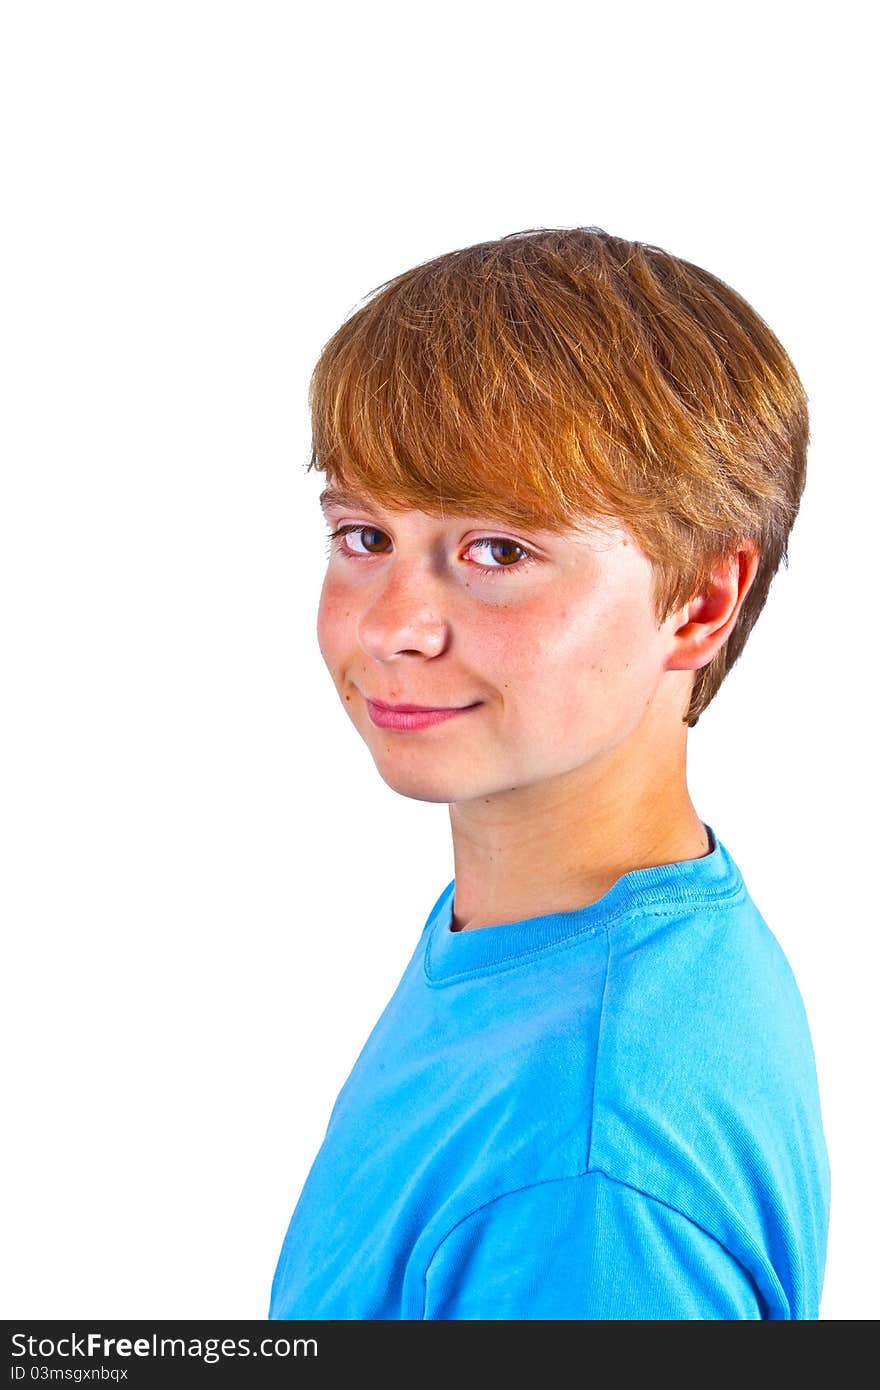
{"x":347,"y":497}
{"x":341,"y":497}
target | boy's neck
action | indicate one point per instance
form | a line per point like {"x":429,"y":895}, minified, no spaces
{"x":562,"y":844}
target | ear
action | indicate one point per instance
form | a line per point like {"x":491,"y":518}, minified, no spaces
{"x":702,"y":627}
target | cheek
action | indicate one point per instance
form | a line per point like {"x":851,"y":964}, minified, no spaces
{"x":538,"y":643}
{"x":506,"y":644}
{"x":561,"y":662}
{"x":334,"y":616}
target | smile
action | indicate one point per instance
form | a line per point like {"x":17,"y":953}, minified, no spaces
{"x":385,"y":718}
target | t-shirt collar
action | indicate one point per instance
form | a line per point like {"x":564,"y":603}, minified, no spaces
{"x":451,"y":956}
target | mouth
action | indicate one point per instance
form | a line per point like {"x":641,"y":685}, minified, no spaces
{"x":411,"y":717}
{"x":418,"y":709}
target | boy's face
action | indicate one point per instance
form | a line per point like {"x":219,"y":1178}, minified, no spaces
{"x":555,"y":652}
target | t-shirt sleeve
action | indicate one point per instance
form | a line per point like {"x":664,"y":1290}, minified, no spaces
{"x":584,"y":1247}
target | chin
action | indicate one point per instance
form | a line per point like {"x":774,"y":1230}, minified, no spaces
{"x":426,"y":785}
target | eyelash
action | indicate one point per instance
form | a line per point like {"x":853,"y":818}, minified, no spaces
{"x":492,"y":570}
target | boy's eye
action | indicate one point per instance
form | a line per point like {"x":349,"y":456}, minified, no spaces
{"x":509,"y":553}
{"x":359,"y":531}
{"x":500,"y":544}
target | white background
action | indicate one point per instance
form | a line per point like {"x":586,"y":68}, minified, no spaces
{"x":208,"y":892}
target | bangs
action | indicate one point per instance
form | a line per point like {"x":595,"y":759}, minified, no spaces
{"x":504,"y":379}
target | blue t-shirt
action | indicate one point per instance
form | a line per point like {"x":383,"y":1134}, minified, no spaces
{"x":610,"y":1112}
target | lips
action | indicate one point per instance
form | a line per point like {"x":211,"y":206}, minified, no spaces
{"x":413,"y":717}
{"x":416,"y":709}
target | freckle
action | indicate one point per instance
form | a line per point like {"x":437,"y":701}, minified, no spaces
{"x":347,"y":698}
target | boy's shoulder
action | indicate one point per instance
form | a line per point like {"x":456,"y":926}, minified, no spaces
{"x":705,"y":1094}
{"x":702,"y":970}
{"x":702,"y":1006}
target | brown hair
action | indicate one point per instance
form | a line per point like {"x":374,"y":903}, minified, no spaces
{"x":559,"y":374}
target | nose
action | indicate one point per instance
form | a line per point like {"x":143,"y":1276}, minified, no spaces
{"x":405,"y":617}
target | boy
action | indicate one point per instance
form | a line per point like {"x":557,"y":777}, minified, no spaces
{"x":562,"y":471}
